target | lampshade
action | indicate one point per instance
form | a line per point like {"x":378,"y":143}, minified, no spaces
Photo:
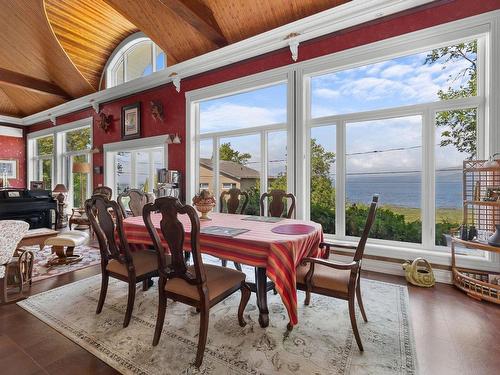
{"x":60,"y":188}
{"x":81,"y":168}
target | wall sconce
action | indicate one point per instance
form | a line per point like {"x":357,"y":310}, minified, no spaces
{"x":95,"y":150}
{"x":173,"y":139}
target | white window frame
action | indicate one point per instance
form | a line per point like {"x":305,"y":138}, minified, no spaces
{"x":120,"y":54}
{"x":193,"y":98}
{"x":61,"y":170}
{"x":134,"y":145}
{"x":485,"y":28}
{"x":36,"y":161}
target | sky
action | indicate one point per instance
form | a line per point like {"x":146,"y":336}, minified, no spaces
{"x":392,"y":83}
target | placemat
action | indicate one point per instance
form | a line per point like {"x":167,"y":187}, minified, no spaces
{"x":265,"y":219}
{"x":215,"y":230}
{"x":293,"y":229}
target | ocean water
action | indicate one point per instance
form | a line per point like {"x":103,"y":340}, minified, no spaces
{"x":404,"y":190}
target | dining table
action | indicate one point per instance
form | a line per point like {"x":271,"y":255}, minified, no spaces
{"x":274,"y":246}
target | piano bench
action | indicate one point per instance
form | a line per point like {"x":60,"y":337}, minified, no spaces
{"x":63,"y":246}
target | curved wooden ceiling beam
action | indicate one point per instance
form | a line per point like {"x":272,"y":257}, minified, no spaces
{"x":30,"y":48}
{"x":177,"y":38}
{"x":89,"y":31}
{"x":198,"y":15}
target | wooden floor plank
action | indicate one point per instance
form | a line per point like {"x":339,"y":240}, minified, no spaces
{"x":453,"y":334}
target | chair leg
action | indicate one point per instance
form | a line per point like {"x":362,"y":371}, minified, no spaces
{"x":224,"y":262}
{"x":308,"y":297}
{"x":360,"y":301}
{"x":245,"y":296}
{"x":104,"y":290}
{"x":237,"y":266}
{"x":160,"y":317}
{"x":202,"y":336}
{"x":130,"y":302}
{"x":352,"y":315}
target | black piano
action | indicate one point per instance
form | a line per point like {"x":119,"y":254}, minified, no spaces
{"x":36,"y":207}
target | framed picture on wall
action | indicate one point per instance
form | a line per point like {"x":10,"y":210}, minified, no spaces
{"x":10,"y":167}
{"x":131,"y":121}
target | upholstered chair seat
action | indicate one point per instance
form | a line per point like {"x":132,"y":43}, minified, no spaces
{"x":325,"y":277}
{"x":219,"y":281}
{"x":144,"y":262}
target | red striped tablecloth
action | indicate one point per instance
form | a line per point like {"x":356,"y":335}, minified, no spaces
{"x":259,"y":247}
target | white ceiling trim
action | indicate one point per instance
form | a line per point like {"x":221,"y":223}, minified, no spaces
{"x":338,"y":18}
{"x":11,"y":132}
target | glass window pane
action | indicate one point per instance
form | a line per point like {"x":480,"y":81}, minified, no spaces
{"x":45,"y":145}
{"x":323,"y":153}
{"x":78,"y":140}
{"x":440,"y":74}
{"x":118,"y":73}
{"x":46,"y":175}
{"x":206,"y":174}
{"x":123,"y":172}
{"x":254,"y":108}
{"x":240,"y":163}
{"x":276,"y":160}
{"x":455,"y":136}
{"x":158,"y":163}
{"x":385,"y":157}
{"x":142,"y":171}
{"x":80,"y":182}
{"x":139,"y":62}
{"x":161,"y":59}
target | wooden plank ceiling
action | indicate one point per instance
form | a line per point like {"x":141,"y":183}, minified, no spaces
{"x":55,"y":50}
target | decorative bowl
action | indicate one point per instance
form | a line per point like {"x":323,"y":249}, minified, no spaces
{"x":204,"y":203}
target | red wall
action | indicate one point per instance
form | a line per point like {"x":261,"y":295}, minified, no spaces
{"x":15,"y":148}
{"x":174,"y":103}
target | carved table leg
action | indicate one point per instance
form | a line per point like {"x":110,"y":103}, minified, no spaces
{"x":261,"y":286}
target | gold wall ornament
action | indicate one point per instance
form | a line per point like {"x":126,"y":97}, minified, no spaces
{"x":419,"y":273}
{"x":104,"y":122}
{"x":156,"y":110}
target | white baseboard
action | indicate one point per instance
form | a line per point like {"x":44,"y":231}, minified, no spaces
{"x":391,"y":268}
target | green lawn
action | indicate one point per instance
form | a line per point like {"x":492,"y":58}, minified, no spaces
{"x":452,"y":215}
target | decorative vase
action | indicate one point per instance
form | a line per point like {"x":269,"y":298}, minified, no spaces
{"x":204,"y":203}
{"x":495,"y":239}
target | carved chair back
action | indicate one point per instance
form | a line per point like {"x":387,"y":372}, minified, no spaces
{"x":236,"y":198}
{"x":104,"y":191}
{"x":173,"y":233}
{"x":106,"y":225}
{"x":276,"y":204}
{"x":360,"y":249}
{"x":137,"y":200}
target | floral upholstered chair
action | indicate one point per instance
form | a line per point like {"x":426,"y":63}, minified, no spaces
{"x":11,"y":232}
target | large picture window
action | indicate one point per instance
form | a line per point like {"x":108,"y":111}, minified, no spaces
{"x":398,"y":126}
{"x":43,"y":160}
{"x":243,"y":143}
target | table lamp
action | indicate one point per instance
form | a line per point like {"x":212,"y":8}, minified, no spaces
{"x":81,"y":168}
{"x":61,"y":189}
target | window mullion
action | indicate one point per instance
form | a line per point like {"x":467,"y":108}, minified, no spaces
{"x":428,"y":179}
{"x":340,"y":179}
{"x":263,"y":164}
{"x":215,"y":169}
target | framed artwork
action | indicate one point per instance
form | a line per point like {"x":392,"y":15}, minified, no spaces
{"x":131,"y":121}
{"x":36,"y":185}
{"x":9,"y":166}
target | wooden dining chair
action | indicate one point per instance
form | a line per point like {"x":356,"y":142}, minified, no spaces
{"x":104,"y":191}
{"x":235,"y":204}
{"x":137,"y":200}
{"x":200,"y":285}
{"x":335,"y":279}
{"x":116,"y":258}
{"x":276,"y":204}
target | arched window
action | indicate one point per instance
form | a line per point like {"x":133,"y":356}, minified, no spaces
{"x":137,"y":56}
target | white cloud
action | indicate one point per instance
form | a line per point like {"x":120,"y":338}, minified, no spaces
{"x":227,"y":116}
{"x":396,"y":71}
{"x":327,"y":93}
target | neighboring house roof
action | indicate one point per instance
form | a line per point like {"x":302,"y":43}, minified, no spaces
{"x":232,"y":169}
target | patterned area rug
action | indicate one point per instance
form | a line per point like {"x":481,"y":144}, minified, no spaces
{"x":90,"y":256}
{"x":322,"y":343}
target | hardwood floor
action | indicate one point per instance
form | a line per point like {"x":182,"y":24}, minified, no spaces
{"x":454,"y":334}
